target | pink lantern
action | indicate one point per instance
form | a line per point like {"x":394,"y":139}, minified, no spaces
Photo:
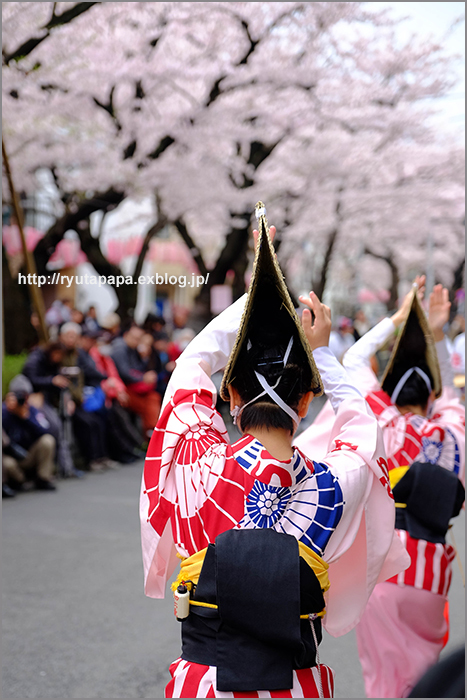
{"x":12,"y":239}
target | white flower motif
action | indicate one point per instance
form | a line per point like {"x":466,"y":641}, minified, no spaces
{"x":431,"y":451}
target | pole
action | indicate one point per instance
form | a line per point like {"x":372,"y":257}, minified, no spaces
{"x":36,"y":294}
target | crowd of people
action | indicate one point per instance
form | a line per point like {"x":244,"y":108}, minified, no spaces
{"x":89,"y":399}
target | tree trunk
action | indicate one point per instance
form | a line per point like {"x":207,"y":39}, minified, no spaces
{"x":20,"y":335}
{"x":395,"y":278}
{"x":320,"y":285}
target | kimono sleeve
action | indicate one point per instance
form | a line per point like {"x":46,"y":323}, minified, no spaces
{"x":357,"y":359}
{"x":188,"y":427}
{"x":363,"y":549}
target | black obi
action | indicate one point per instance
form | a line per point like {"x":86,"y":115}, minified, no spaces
{"x":261,"y":587}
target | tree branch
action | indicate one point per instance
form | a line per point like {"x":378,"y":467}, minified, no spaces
{"x":153,"y":231}
{"x":320,"y":287}
{"x":68,"y":16}
{"x":395,"y":279}
{"x":91,"y":247}
{"x":75,"y":212}
{"x":195,"y":253}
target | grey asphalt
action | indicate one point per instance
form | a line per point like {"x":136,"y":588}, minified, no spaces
{"x":76,"y":623}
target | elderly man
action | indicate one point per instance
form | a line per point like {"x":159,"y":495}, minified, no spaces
{"x":29,"y":449}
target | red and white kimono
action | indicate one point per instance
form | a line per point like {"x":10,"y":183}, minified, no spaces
{"x":401,"y":632}
{"x":196,"y":485}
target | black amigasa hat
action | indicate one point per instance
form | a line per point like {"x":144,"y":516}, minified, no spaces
{"x":415,"y":344}
{"x":269,"y":322}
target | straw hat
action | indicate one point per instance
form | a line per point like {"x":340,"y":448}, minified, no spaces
{"x":269,"y":318}
{"x":414,"y":344}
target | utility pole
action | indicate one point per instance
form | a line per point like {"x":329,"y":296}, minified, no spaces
{"x":34,"y":290}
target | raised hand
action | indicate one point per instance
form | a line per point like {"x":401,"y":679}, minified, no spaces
{"x":402,"y":313}
{"x":438,"y":310}
{"x":316,"y":331}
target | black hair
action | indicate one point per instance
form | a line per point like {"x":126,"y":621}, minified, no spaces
{"x":127,"y":325}
{"x":415,"y":391}
{"x":295,"y":381}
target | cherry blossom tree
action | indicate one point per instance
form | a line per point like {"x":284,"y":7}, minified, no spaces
{"x":207,"y":107}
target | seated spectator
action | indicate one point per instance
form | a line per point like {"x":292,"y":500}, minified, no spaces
{"x":153,"y":324}
{"x":124,"y":440}
{"x":167,"y":366}
{"x":181,"y":337}
{"x":43,"y":369}
{"x":89,"y":425}
{"x":59,"y":313}
{"x":112,"y":324}
{"x":140,"y":382}
{"x":77,"y":316}
{"x":149,"y":353}
{"x":90,"y":320}
{"x":28,"y":446}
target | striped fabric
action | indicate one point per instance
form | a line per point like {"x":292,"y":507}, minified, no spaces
{"x":431,"y":565}
{"x":410,"y":438}
{"x":190,"y":680}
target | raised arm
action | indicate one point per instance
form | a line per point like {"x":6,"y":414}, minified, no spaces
{"x":438,"y":316}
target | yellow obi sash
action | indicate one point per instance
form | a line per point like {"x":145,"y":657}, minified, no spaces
{"x":190,"y":569}
{"x":395,"y":475}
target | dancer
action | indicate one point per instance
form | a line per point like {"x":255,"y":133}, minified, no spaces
{"x":404,"y":625}
{"x":271,"y":542}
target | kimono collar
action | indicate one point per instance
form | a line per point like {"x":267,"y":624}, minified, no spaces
{"x":252,"y":456}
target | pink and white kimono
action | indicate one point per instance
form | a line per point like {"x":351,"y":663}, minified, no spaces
{"x":197,"y":485}
{"x":402,"y":629}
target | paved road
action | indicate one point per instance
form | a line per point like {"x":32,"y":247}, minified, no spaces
{"x":75,"y":621}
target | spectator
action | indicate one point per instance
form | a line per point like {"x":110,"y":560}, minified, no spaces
{"x":59,"y":312}
{"x":43,"y":368}
{"x":180,"y":339}
{"x":88,"y":425}
{"x":29,"y":448}
{"x":77,"y":316}
{"x":140,"y":382}
{"x":123,"y":438}
{"x":153,"y":324}
{"x":161,"y":345}
{"x":360,"y":324}
{"x":90,"y":320}
{"x":341,"y":338}
{"x":112,"y":324}
{"x":149,"y":353}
